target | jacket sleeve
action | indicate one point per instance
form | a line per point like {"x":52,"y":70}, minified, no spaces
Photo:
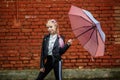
{"x":64,"y":49}
{"x":42,"y":55}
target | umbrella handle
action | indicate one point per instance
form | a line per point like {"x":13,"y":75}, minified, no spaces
{"x":92,"y":58}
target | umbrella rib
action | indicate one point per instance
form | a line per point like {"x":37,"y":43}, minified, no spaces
{"x":90,"y":35}
{"x":97,"y":41}
{"x":97,"y":37}
{"x":90,"y":38}
{"x":84,"y":32}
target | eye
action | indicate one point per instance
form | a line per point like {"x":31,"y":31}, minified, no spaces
{"x":50,"y":26}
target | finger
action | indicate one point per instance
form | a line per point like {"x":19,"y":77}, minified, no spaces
{"x":41,"y":70}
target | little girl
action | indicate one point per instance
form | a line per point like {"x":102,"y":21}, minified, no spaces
{"x":53,"y":47}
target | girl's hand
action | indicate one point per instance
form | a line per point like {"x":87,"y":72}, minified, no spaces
{"x":42,"y":69}
{"x":69,"y":41}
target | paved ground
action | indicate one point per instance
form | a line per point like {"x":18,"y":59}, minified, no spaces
{"x":79,"y":74}
{"x":91,"y":79}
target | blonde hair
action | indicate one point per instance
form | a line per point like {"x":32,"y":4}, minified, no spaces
{"x":53,"y":22}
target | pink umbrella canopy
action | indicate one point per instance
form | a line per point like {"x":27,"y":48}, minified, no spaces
{"x":87,"y":30}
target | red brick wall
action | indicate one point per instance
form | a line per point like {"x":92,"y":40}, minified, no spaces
{"x":20,"y":43}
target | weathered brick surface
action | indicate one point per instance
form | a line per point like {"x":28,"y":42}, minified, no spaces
{"x":20,"y":40}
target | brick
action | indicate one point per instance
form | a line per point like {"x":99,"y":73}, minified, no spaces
{"x":25,"y":54}
{"x":80,"y":60}
{"x":68,"y":64}
{"x":34,"y":37}
{"x":26,"y":62}
{"x":73,"y":57}
{"x":14,"y":54}
{"x":12,"y":62}
{"x":25,"y":58}
{"x":73,"y":61}
{"x":86,"y":60}
{"x":116,"y":57}
{"x":105,"y":64}
{"x":66,"y":61}
{"x":7,"y":65}
{"x":82,"y":56}
{"x":26,"y":30}
{"x":81,"y":64}
{"x":3,"y":58}
{"x":22,"y":37}
{"x":13,"y":58}
{"x":35,"y":55}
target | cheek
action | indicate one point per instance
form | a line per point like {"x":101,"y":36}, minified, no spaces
{"x":50,"y":29}
{"x":54,"y":28}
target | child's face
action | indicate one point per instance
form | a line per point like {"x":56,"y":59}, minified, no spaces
{"x":52,"y":29}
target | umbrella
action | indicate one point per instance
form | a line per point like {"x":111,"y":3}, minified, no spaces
{"x":87,"y":30}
